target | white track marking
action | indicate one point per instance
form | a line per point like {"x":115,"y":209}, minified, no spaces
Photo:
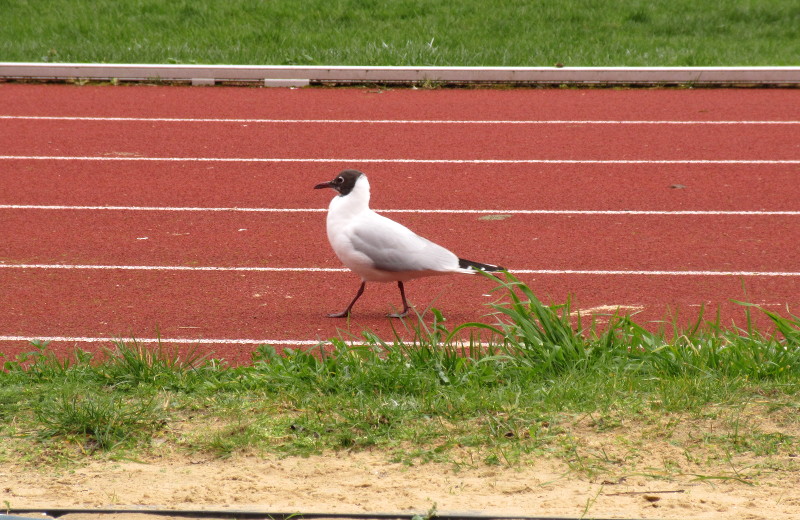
{"x":179,"y":208}
{"x":420,"y":211}
{"x":180,"y":341}
{"x":391,"y":121}
{"x":342,"y":270}
{"x":232,"y":341}
{"x":654,"y":273}
{"x":411,"y":161}
{"x":176,"y":268}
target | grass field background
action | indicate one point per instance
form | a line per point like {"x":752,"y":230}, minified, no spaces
{"x":404,"y":32}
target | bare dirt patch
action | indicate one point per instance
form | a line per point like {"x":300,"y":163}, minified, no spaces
{"x":366,"y":482}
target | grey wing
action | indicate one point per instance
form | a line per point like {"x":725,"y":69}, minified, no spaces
{"x":394,"y":247}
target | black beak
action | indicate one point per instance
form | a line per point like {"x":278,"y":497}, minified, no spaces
{"x":322,"y":185}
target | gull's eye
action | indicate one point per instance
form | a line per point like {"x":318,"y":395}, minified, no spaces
{"x":339,"y":180}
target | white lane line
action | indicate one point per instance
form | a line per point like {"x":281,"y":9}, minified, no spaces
{"x":420,"y":211}
{"x":411,"y":161}
{"x":394,"y":121}
{"x":342,"y":270}
{"x":175,"y":268}
{"x":655,"y":273}
{"x":220,"y":341}
{"x":181,"y":208}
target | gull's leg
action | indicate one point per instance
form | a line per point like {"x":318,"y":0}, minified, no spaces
{"x":346,"y":312}
{"x":405,"y":304}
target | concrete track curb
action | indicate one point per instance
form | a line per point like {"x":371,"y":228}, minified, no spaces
{"x":276,"y":75}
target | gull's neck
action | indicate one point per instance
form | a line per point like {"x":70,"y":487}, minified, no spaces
{"x":354,"y":202}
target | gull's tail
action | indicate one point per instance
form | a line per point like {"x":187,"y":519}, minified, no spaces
{"x":469,"y":264}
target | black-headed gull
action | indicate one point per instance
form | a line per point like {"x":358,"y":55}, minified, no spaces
{"x":379,"y":249}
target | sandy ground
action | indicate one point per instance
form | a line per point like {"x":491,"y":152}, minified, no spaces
{"x":367,"y":482}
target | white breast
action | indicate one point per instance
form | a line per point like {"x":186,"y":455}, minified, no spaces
{"x":343,"y":213}
{"x":377,"y":248}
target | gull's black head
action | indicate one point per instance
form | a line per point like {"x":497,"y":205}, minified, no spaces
{"x":343,"y":183}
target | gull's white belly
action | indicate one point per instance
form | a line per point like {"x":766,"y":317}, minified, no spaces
{"x":382,"y":250}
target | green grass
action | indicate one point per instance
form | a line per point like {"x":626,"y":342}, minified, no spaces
{"x":537,"y":383}
{"x":404,"y":32}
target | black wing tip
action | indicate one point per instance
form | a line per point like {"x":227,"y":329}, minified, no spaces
{"x":469,"y":264}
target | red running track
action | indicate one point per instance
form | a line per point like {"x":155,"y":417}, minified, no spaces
{"x":96,"y":241}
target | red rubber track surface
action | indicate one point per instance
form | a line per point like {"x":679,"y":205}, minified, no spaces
{"x":744,"y":187}
{"x":591,"y":242}
{"x":290,"y":305}
{"x":364,"y":141}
